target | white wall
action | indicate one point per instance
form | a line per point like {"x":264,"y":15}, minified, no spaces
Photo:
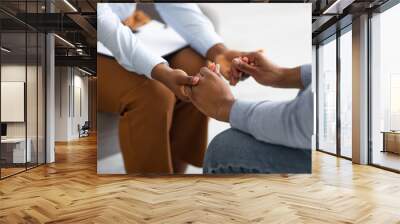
{"x":33,"y":126}
{"x":70,"y":83}
{"x":12,"y":73}
{"x":283,"y":31}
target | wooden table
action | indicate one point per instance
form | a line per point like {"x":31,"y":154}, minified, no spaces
{"x":13,"y":150}
{"x":391,"y":141}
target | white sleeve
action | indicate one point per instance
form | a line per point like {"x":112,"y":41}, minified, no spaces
{"x":188,"y":20}
{"x":123,"y":44}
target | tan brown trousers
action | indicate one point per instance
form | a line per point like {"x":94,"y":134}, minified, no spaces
{"x":155,"y":128}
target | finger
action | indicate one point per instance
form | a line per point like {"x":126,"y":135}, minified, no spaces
{"x":212,"y":67}
{"x":235,"y":72}
{"x":235,"y":82}
{"x":188,"y":91}
{"x":186,"y":80}
{"x":199,"y":75}
{"x":253,"y":56}
{"x":195,"y":80}
{"x":244,"y":67}
{"x":183,"y":95}
{"x":209,"y":63}
{"x":207,"y":72}
{"x":218,"y":70}
{"x":239,"y":77}
{"x":225,"y":72}
{"x":231,"y":81}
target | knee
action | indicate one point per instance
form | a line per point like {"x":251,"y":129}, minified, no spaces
{"x":218,"y":150}
{"x":217,"y":146}
{"x":189,"y":61}
{"x":160,"y":99}
{"x":154,"y":100}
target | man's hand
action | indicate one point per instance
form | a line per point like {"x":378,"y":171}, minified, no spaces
{"x":174,"y":79}
{"x":212,"y":95}
{"x":267,"y":73}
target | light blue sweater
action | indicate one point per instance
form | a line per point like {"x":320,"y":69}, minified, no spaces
{"x":288,"y":123}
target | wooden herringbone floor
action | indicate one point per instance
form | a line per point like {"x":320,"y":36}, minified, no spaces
{"x":70,"y":191}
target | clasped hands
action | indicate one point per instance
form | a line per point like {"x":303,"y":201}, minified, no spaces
{"x":211,"y":94}
{"x":176,"y":79}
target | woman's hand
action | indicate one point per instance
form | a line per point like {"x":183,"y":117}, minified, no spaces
{"x":137,"y":19}
{"x":225,"y":61}
{"x":266,"y":72}
{"x":223,"y":56}
{"x":174,"y":79}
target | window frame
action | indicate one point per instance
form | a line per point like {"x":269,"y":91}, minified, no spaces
{"x":334,"y":37}
{"x":31,"y":30}
{"x":381,"y":9}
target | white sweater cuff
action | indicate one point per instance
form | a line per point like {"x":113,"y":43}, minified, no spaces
{"x":145,"y":61}
{"x":205,"y":42}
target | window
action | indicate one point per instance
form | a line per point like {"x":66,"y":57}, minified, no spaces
{"x":327,"y":96}
{"x":22,"y":89}
{"x":385,"y":89}
{"x":14,"y":151}
{"x":346,"y":93}
{"x":394,"y":102}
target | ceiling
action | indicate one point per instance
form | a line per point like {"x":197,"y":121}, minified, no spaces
{"x":76,"y":23}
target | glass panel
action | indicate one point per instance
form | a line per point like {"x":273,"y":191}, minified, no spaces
{"x":346,"y":94}
{"x":327,"y":96}
{"x":13,"y":87}
{"x":22,"y":88}
{"x":385,"y":84}
{"x":41,"y":98}
{"x":31,"y":100}
{"x":32,"y":88}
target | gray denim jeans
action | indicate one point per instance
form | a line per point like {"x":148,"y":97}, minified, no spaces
{"x":233,"y":151}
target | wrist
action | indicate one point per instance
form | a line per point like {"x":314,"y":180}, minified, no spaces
{"x":224,"y":110}
{"x":279,"y":74}
{"x":291,"y":78}
{"x":160,"y":72}
{"x":215,"y":50}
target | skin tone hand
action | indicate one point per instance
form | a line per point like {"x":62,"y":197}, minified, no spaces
{"x":223,"y":56}
{"x":267,"y":73}
{"x":212,"y":95}
{"x":137,"y":19}
{"x":174,"y":79}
